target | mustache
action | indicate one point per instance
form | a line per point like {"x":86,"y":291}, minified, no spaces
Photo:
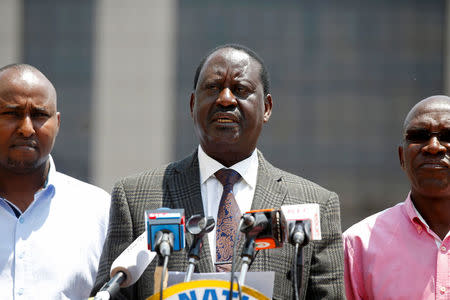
{"x":224,"y":113}
{"x":25,"y":142}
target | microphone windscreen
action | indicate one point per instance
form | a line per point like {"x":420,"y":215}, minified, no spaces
{"x":133,"y":261}
{"x":298,"y":212}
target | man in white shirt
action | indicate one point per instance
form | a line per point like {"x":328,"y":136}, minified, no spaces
{"x":52,"y":226}
{"x":229,"y":105}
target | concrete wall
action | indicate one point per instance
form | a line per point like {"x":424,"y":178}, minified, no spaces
{"x":133,"y":88}
{"x":10,"y":31}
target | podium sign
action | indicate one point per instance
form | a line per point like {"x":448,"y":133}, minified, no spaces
{"x":207,"y":290}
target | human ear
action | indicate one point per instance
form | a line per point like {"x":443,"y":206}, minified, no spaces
{"x":192,"y":103}
{"x":400,"y":157}
{"x":267,"y":107}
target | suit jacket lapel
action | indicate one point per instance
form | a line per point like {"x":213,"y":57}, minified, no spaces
{"x":184,"y":189}
{"x":270,"y":192}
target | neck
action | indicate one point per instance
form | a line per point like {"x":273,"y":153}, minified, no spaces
{"x":435,"y":211}
{"x":19,"y":188}
{"x":229,"y":159}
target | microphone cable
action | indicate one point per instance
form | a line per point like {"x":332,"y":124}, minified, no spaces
{"x":299,"y":238}
{"x":253,"y":259}
{"x":166,"y":262}
{"x":295,"y":279}
{"x":233,"y":263}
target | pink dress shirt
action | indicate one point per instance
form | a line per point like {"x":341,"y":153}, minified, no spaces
{"x":394,"y":255}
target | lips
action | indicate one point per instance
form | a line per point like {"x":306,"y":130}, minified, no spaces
{"x":24,"y":144}
{"x":434,"y":165}
{"x":225,"y":118}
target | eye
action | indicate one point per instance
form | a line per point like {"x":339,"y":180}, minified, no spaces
{"x":40,"y":114}
{"x":241,"y":90}
{"x":417,"y":136}
{"x":444,"y":136}
{"x":10,"y":113}
{"x":212,"y":86}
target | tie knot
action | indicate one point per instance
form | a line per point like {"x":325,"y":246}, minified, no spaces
{"x":227,"y":177}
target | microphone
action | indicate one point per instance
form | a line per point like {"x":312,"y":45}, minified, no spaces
{"x":307,"y":214}
{"x":165,"y":230}
{"x":265,"y":227}
{"x":303,"y":223}
{"x":263,"y":230}
{"x":198,"y":226}
{"x":127,"y":268}
{"x":165,"y":233}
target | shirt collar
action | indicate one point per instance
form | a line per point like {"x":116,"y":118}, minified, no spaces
{"x":247,"y":168}
{"x":413,"y":213}
{"x":51,"y":173}
{"x":46,"y":191}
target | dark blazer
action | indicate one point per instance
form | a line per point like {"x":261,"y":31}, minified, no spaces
{"x":177,"y":185}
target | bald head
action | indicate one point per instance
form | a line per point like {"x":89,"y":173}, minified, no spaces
{"x":26,"y":78}
{"x":427,"y":105}
{"x":29,"y":120}
{"x":424,"y":152}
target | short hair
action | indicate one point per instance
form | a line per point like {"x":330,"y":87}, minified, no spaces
{"x":263,"y":73}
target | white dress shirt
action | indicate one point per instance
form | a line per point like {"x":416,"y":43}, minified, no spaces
{"x":52,"y":250}
{"x":212,"y":189}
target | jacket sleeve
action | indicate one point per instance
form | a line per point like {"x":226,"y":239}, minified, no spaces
{"x":326,"y":278}
{"x":119,"y":236}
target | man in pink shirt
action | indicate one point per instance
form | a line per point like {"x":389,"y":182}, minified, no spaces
{"x":403,"y":252}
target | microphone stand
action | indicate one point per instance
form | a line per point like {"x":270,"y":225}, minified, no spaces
{"x":198,"y":226}
{"x":247,"y":254}
{"x":163,"y":246}
{"x":252,"y":227}
{"x":299,"y":236}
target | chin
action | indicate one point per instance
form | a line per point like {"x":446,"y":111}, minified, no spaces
{"x":434,"y":190}
{"x":23,"y":166}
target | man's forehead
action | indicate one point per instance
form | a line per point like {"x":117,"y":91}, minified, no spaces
{"x":433,"y":112}
{"x":24,"y":82}
{"x":230,"y":57}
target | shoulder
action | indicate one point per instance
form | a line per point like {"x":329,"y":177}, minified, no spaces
{"x":155,"y":178}
{"x":381,"y":223}
{"x":82,"y":199}
{"x":78,"y":188}
{"x":297,"y":186}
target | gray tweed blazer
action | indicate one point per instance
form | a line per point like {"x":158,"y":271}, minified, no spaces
{"x":177,"y":185}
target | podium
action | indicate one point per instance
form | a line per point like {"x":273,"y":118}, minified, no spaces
{"x":207,"y":289}
{"x":216,"y":286}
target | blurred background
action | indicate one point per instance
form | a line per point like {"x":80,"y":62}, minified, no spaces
{"x":343,"y":75}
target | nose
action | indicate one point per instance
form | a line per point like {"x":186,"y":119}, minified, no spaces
{"x":433,"y":146}
{"x":226,"y":98}
{"x":26,"y":127}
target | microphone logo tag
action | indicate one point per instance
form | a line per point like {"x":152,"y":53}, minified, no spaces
{"x":261,"y":245}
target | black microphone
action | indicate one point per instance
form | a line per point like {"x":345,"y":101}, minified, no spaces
{"x":300,"y":233}
{"x":198,"y":226}
{"x":263,"y":230}
{"x":111,"y":288}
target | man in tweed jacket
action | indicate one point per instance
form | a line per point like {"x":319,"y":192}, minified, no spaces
{"x":229,"y":105}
